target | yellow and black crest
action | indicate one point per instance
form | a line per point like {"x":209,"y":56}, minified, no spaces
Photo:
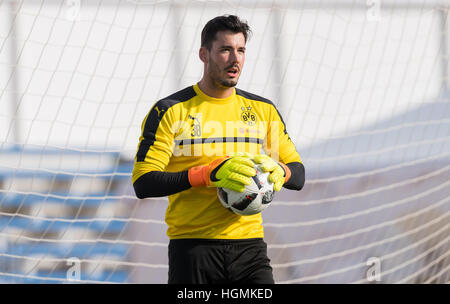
{"x":247,"y":116}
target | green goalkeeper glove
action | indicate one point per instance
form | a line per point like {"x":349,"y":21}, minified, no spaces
{"x":279,"y":173}
{"x":226,"y":172}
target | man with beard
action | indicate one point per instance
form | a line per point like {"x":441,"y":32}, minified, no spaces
{"x":210,"y":135}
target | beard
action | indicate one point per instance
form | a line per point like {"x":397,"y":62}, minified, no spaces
{"x":228,"y":83}
{"x":219,"y":75}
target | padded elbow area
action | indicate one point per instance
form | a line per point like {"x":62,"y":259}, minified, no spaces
{"x":297,"y":179}
{"x":139,"y":187}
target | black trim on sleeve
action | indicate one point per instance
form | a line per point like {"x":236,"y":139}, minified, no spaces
{"x":297,"y":179}
{"x":158,"y":184}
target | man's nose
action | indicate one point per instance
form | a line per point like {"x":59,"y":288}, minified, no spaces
{"x":234,"y":56}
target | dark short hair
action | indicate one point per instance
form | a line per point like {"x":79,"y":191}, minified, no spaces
{"x":223,"y":23}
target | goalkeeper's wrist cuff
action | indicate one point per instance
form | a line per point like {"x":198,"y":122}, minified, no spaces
{"x":198,"y":176}
{"x":201,"y":175}
{"x":287,"y":172}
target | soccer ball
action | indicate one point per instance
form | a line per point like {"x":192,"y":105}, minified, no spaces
{"x":255,"y":198}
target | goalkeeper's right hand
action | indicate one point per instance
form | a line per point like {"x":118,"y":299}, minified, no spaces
{"x":226,"y":172}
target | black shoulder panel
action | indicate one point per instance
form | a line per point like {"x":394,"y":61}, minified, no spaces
{"x":155,"y":116}
{"x":252,"y":96}
{"x":180,"y":96}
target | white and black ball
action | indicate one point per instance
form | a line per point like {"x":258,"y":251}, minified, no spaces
{"x":255,"y":198}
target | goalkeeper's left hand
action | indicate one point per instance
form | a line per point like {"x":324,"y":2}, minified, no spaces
{"x":279,"y":172}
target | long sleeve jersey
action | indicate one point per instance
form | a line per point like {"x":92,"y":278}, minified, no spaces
{"x":190,"y":128}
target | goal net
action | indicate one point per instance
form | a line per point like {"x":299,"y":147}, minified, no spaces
{"x":361,"y":85}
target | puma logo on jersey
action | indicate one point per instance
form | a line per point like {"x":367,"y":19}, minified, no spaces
{"x":159,"y":111}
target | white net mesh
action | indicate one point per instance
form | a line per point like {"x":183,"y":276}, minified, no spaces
{"x":361,"y":86}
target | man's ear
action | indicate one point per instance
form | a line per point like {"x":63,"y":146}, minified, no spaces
{"x":203,"y":54}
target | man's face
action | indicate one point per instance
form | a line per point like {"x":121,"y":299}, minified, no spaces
{"x":226,"y":58}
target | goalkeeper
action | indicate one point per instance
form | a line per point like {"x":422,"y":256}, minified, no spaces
{"x":184,"y":153}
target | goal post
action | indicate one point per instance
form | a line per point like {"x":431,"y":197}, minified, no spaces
{"x":362,"y":87}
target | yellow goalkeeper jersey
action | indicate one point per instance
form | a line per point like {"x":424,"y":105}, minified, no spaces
{"x":190,"y":128}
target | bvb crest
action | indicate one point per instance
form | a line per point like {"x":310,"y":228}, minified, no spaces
{"x":247,"y":116}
